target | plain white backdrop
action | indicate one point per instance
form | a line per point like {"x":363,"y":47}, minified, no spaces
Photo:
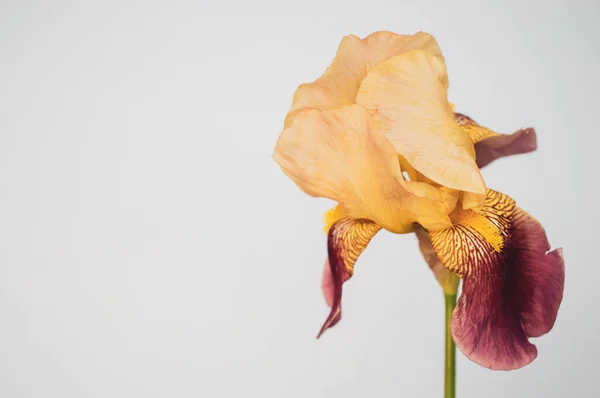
{"x":150,"y":246}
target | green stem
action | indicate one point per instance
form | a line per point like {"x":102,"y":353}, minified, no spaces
{"x":450,"y":364}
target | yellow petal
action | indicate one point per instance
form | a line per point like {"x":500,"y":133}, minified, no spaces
{"x":471,"y":200}
{"x":447,"y":279}
{"x":475,"y":242}
{"x":413,"y":112}
{"x":355,"y":57}
{"x":332,"y":216}
{"x":337,"y":155}
{"x":475,"y":131}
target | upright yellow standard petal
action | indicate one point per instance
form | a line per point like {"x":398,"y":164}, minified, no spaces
{"x":355,"y":57}
{"x":336,"y":154}
{"x":411,"y":109}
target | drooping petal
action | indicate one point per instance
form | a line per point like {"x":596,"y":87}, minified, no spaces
{"x":411,"y":109}
{"x":512,"y":287}
{"x":337,"y":155}
{"x":490,"y":146}
{"x":490,"y":149}
{"x":487,"y":330}
{"x":355,"y":57}
{"x":346,"y":240}
{"x":539,"y":281}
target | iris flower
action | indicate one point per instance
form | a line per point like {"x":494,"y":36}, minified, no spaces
{"x":377,"y":134}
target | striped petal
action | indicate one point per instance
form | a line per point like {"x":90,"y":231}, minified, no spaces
{"x":346,"y":240}
{"x":512,"y":284}
{"x":447,"y":279}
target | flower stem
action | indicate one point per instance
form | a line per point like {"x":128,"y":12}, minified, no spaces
{"x":450,"y":365}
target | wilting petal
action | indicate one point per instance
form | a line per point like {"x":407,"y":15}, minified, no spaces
{"x":412,"y":110}
{"x":447,"y":279}
{"x":490,"y":146}
{"x":355,"y":57}
{"x":346,"y":240}
{"x":337,"y":155}
{"x":511,"y":288}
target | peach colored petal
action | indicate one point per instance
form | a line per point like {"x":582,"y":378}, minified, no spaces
{"x":355,"y":57}
{"x":337,"y":155}
{"x":412,"y":111}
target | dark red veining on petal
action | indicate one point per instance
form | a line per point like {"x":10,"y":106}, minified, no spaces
{"x":346,"y":240}
{"x":497,"y":312}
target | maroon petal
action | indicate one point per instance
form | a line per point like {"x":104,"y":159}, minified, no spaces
{"x":490,"y":146}
{"x":346,"y":240}
{"x":508,"y":295}
{"x":539,"y":276}
{"x":487,"y":329}
{"x":501,"y":145}
{"x":327,"y":284}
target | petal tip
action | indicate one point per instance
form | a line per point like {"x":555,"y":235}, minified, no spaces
{"x":504,"y":363}
{"x":559,"y":253}
{"x":334,"y":317}
{"x":505,"y":348}
{"x":528,"y":139}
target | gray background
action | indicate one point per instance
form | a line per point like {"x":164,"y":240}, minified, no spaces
{"x":150,"y":247}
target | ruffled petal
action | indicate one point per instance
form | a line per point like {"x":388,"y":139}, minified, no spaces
{"x":355,"y":57}
{"x":490,"y":146}
{"x":346,"y":240}
{"x":487,"y":329}
{"x":512,"y":287}
{"x":411,"y":109}
{"x":337,"y":155}
{"x":539,"y":280}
